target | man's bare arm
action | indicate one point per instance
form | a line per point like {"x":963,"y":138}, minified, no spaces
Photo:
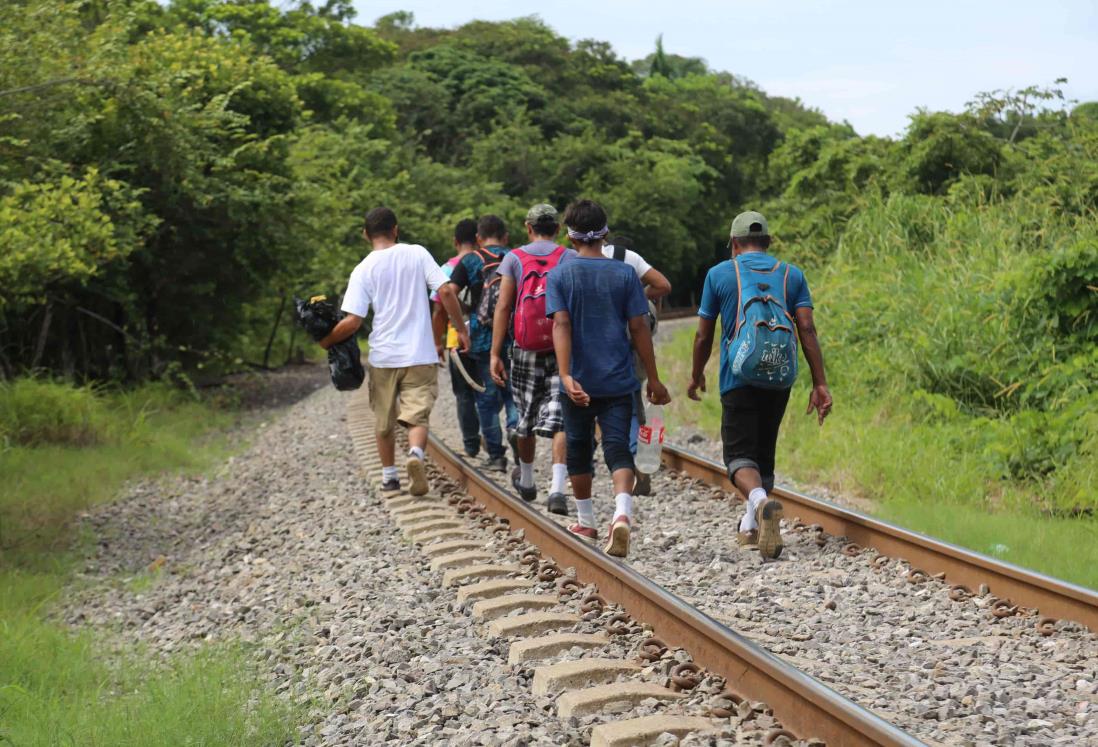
{"x":703,"y":348}
{"x":447,"y":296}
{"x":500,"y":321}
{"x":820,"y":397}
{"x":642,"y":343}
{"x":502,"y":316}
{"x":438,"y":323}
{"x":562,"y":347}
{"x":346,"y":327}
{"x":656,"y":285}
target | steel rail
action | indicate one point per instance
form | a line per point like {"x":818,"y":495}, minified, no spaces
{"x":804,"y":705}
{"x":1052,"y":596}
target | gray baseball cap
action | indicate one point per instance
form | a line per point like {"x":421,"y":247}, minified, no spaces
{"x":542,"y":210}
{"x":749,"y":224}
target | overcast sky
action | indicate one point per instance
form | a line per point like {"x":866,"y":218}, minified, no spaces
{"x":870,"y":63}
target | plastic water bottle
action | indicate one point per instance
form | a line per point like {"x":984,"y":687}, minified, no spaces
{"x":650,"y":440}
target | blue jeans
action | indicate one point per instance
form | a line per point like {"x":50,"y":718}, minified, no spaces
{"x":490,"y":402}
{"x":466,"y":404}
{"x":612,"y":415}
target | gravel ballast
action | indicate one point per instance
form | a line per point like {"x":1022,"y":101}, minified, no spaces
{"x":285,"y":547}
{"x":947,"y":672}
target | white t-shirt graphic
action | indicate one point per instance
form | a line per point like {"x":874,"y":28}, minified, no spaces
{"x":397,"y":283}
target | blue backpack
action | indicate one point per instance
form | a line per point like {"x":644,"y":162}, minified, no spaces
{"x":763,"y":344}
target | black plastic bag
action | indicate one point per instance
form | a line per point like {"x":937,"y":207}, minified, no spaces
{"x":318,"y":317}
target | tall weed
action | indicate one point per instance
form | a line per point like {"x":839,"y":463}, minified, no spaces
{"x":34,"y":412}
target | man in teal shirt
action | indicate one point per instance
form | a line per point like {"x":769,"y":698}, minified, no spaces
{"x":750,"y":415}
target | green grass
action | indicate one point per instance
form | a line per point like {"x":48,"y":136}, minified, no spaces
{"x":68,"y":468}
{"x":924,"y":475}
{"x":59,"y":686}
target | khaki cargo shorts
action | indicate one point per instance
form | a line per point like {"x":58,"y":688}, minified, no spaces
{"x":402,"y":395}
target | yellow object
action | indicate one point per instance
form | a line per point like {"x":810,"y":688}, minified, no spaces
{"x":451,"y":337}
{"x":314,"y":299}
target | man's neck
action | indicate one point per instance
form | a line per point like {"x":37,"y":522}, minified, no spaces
{"x":592,"y":250}
{"x":751,"y":250}
{"x":464,"y":249}
{"x":383,"y":242}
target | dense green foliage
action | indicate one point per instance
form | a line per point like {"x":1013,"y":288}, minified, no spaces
{"x":170,"y":173}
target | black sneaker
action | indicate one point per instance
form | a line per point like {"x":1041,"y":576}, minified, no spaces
{"x":527,"y":494}
{"x":390,"y":486}
{"x":643,"y":485}
{"x":557,"y":504}
{"x":497,"y":464}
{"x":472,"y":451}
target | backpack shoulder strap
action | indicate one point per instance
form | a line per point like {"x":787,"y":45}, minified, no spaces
{"x":739,"y":300}
{"x":785,"y":292}
{"x":619,"y":253}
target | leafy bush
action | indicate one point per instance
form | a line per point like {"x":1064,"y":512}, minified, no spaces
{"x":35,"y":412}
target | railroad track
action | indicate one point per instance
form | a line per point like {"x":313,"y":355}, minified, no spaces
{"x":748,"y":673}
{"x":965,"y":570}
{"x":461,"y":530}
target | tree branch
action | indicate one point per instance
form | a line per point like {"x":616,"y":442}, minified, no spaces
{"x":52,"y":83}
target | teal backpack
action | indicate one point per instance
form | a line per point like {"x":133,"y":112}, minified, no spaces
{"x":763,"y":344}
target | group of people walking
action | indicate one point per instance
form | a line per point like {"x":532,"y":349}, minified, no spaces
{"x":557,"y":341}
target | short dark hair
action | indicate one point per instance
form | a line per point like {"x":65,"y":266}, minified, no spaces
{"x":620,"y":239}
{"x":758,"y":242}
{"x":465,"y":232}
{"x":491,"y":227}
{"x":585,"y":215}
{"x":545,"y":226}
{"x":381,"y":221}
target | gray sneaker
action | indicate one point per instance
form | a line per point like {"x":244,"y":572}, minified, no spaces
{"x":558,"y":504}
{"x":496,"y":464}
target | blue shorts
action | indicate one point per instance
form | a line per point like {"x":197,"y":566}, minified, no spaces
{"x":613,"y":415}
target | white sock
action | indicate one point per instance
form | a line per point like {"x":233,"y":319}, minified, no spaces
{"x":586,"y":513}
{"x":624,"y":505}
{"x":416,"y":452}
{"x":526,"y":474}
{"x":560,"y":477}
{"x":390,"y":473}
{"x":754,"y":498}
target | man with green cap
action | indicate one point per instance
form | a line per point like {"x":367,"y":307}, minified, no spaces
{"x":761,"y":301}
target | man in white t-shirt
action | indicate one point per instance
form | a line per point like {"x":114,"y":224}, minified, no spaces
{"x":396,"y":280}
{"x":656,"y":286}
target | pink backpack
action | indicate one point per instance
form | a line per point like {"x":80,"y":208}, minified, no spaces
{"x":533,"y":330}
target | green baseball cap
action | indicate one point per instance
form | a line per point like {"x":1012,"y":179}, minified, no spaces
{"x":749,"y":224}
{"x":542,"y":210}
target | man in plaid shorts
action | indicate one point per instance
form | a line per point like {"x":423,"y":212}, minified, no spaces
{"x":535,"y":383}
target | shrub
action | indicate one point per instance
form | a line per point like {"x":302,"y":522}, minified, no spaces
{"x":36,"y":412}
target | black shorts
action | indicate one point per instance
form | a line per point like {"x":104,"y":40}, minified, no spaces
{"x":750,"y":418}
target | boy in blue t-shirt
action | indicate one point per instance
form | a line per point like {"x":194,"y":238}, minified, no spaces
{"x":593,"y":302}
{"x":750,"y":415}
